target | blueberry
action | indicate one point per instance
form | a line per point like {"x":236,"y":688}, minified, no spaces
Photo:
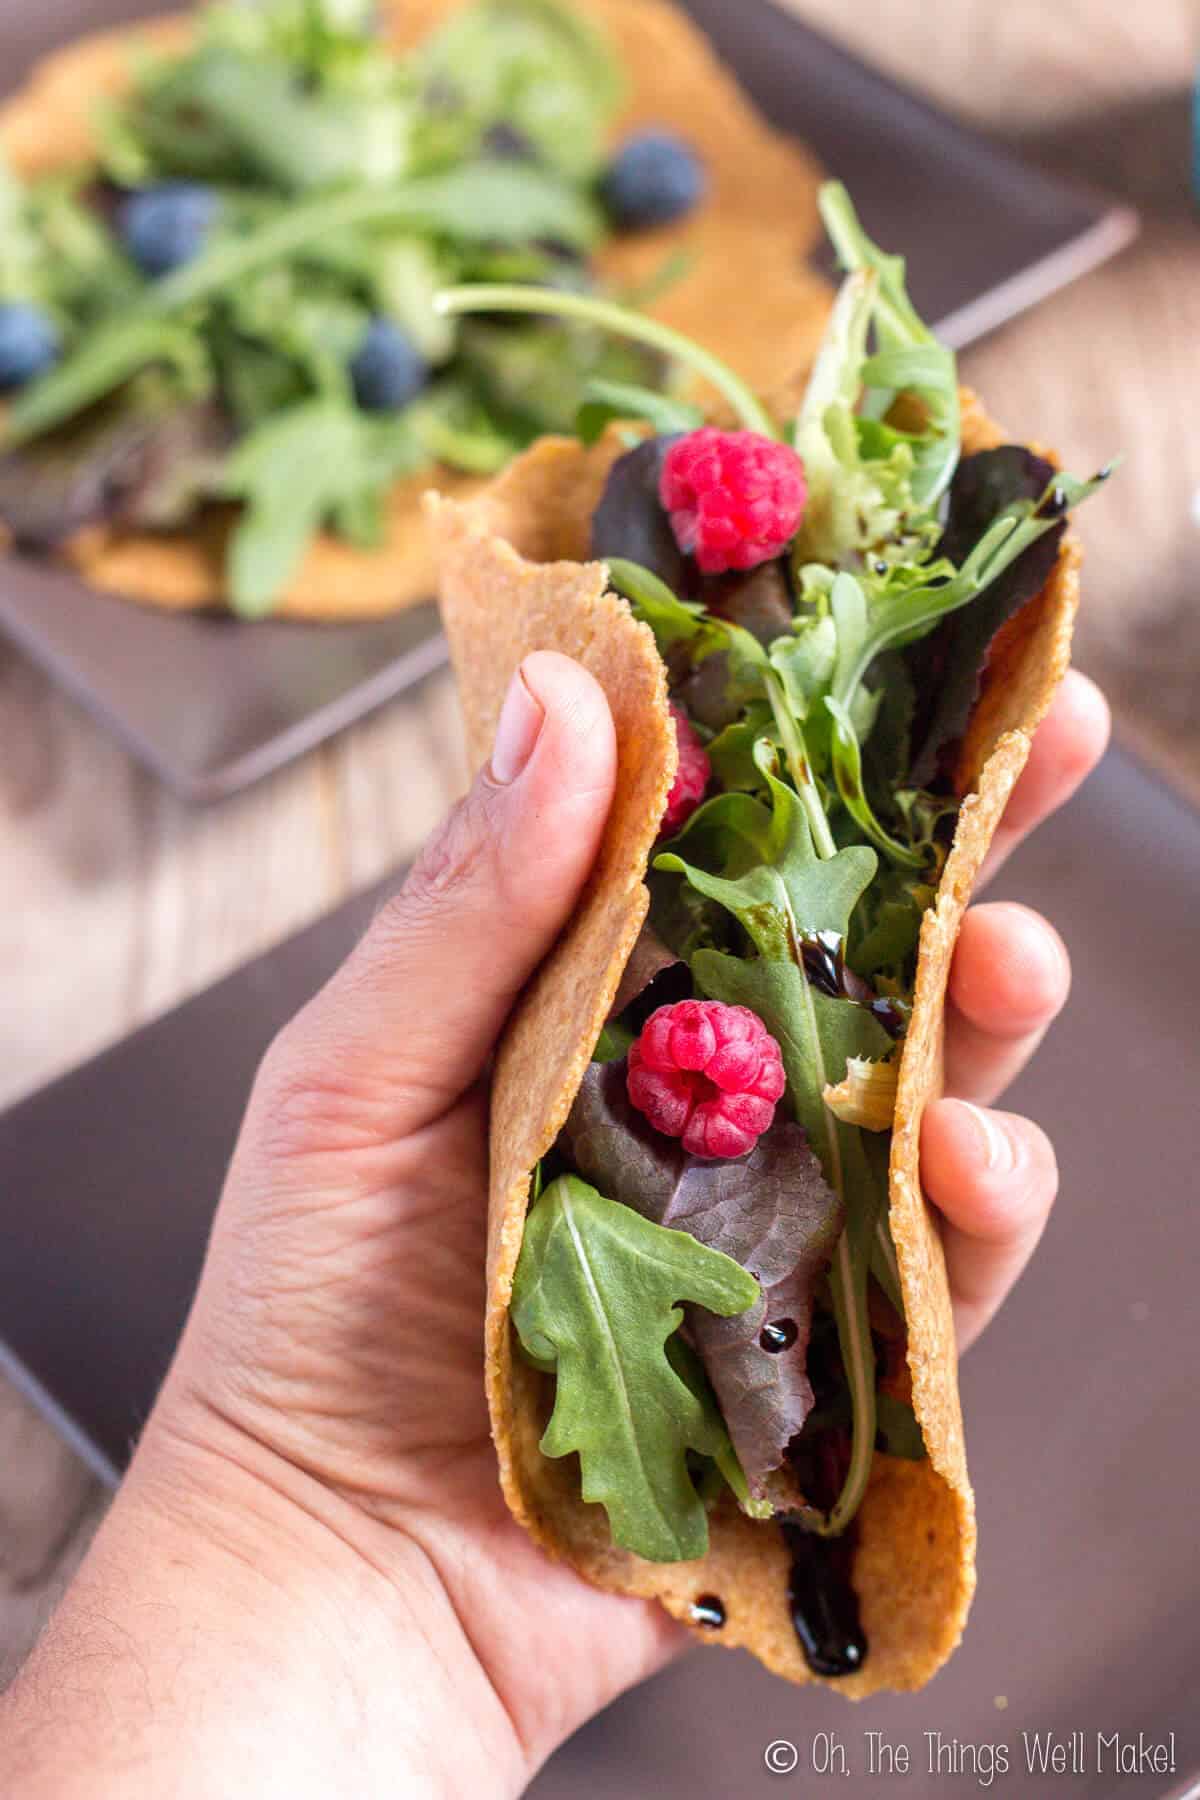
{"x":29,"y":343}
{"x":388,"y":370}
{"x":653,"y":178}
{"x":165,"y":227}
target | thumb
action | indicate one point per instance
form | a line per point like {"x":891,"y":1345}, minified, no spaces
{"x":409,"y":1021}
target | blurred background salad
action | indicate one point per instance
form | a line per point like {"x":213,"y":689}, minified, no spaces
{"x":234,"y":300}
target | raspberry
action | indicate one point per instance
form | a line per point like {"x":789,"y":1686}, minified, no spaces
{"x":691,"y":776}
{"x":735,"y":498}
{"x":707,"y":1073}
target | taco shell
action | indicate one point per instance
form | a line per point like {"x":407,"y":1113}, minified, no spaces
{"x":760,"y":214}
{"x":513,"y":579}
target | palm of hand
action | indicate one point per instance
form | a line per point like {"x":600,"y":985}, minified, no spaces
{"x":357,"y":1322}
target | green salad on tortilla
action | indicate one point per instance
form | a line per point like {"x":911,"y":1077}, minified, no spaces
{"x":233,"y":301}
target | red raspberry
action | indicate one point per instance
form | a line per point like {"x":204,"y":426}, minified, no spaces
{"x":707,"y":1073}
{"x":735,"y":497}
{"x":692,"y":775}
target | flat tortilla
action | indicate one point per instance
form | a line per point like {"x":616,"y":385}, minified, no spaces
{"x":761,"y":214}
{"x":513,"y":580}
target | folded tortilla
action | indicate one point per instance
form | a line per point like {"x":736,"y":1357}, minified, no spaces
{"x":513,"y":578}
{"x":760,"y":214}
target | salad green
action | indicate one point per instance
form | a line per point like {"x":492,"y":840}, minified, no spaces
{"x":596,"y":1300}
{"x":261,"y":202}
{"x":797,"y":886}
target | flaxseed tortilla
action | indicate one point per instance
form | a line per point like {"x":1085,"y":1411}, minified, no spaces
{"x":760,"y":214}
{"x":513,"y":579}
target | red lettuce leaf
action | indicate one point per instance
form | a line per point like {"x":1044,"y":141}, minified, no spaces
{"x":648,"y":959}
{"x":947,"y":666}
{"x":630,"y":521}
{"x":771,"y":1211}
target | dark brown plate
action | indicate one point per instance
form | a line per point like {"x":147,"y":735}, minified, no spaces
{"x":1080,"y":1401}
{"x":211,"y":705}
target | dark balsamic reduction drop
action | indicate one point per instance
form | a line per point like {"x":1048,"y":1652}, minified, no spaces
{"x":708,"y":1610}
{"x":823,"y":1603}
{"x":779,"y":1335}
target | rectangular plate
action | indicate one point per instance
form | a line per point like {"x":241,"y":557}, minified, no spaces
{"x":211,"y":705}
{"x":1080,"y":1401}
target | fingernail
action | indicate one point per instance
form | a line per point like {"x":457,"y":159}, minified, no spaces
{"x":995,"y":1143}
{"x":521,"y":721}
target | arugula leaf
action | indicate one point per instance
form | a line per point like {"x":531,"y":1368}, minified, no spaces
{"x":804,"y":661}
{"x":723,"y":1467}
{"x":404,"y":273}
{"x":906,"y":615}
{"x":717,"y":666}
{"x":772,"y":1211}
{"x":596,"y":1295}
{"x":20,"y":251}
{"x":888,"y":924}
{"x":731,"y":752}
{"x":781,"y":892}
{"x":474,"y":202}
{"x":316,"y":461}
{"x":848,"y":775}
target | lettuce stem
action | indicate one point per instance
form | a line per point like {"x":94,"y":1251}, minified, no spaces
{"x":848,"y":1274}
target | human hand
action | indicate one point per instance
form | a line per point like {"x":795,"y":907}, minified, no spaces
{"x":321,"y":1446}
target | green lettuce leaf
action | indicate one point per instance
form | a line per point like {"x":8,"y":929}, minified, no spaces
{"x":873,"y":482}
{"x":542,"y":70}
{"x":321,"y":461}
{"x":596,"y":1296}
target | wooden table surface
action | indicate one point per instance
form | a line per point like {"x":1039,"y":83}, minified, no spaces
{"x":118,"y":902}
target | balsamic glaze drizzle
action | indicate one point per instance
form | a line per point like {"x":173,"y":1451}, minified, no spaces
{"x":777,"y":1336}
{"x":825,"y":968}
{"x":708,"y":1610}
{"x":823,"y":1603}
